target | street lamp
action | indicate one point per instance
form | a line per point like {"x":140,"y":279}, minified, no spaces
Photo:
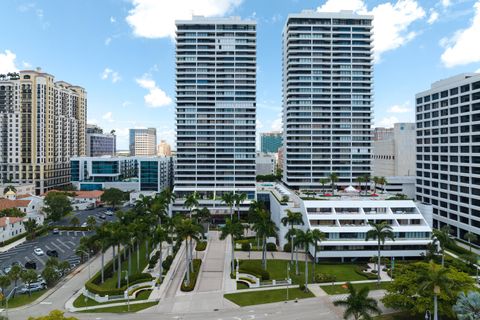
{"x":428,"y":315}
{"x":89,"y":262}
{"x":128,"y":295}
{"x":288,"y":279}
{"x":296,"y":255}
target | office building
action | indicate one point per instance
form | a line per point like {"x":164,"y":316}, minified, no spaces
{"x":327,"y":97}
{"x":99,"y":143}
{"x":381,"y":133}
{"x":216,"y":107}
{"x":124,"y":173}
{"x":448,"y":152}
{"x":266,"y":163}
{"x":270,"y":141}
{"x":42,"y":125}
{"x":143,"y":142}
{"x":164,"y":149}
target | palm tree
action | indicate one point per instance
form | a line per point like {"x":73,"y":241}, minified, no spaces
{"x":358,"y":305}
{"x":333,"y":179}
{"x":323,"y":182}
{"x":75,"y":222}
{"x":9,"y":188}
{"x":264,"y":228}
{"x":15,"y":274}
{"x":468,"y":306}
{"x":159,"y":236}
{"x":234,"y":229}
{"x":318,"y":236}
{"x":359,"y":180}
{"x":239,"y":199}
{"x":188,"y":230}
{"x":366,"y":179}
{"x":305,"y":239}
{"x":191,"y":202}
{"x":229,"y":199}
{"x":382,"y":181}
{"x":91,"y":222}
{"x":4,"y":283}
{"x":435,"y":279}
{"x":28,"y":276}
{"x":469,"y":236}
{"x":380,"y":232}
{"x":30,"y":227}
{"x":203,"y":216}
{"x":442,"y":236}
{"x":375,"y":180}
{"x":292,"y":218}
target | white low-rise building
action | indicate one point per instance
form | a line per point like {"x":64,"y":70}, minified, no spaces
{"x":344,"y":219}
{"x":11,"y":227}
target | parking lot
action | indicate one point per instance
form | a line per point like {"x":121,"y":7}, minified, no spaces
{"x":65,"y":243}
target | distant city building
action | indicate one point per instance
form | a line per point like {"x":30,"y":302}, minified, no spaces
{"x":143,"y":142}
{"x":99,"y":143}
{"x":327,"y":97}
{"x":265,"y":163}
{"x":124,"y":173}
{"x":216,"y":109}
{"x":122,"y":153}
{"x":42,"y":125}
{"x":164,"y":149}
{"x":381,"y":133}
{"x":270,"y":141}
{"x":281,"y":158}
{"x":21,"y":188}
{"x":448,"y":152}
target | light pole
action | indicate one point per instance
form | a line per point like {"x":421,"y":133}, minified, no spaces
{"x":88,"y":258}
{"x":128,"y":295}
{"x":393,"y":266}
{"x":296,"y":254}
{"x":288,"y":279}
{"x":428,"y":315}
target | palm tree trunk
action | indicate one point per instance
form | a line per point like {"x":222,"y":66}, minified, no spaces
{"x":296,"y":260}
{"x":443,"y":258}
{"x":138,"y":256}
{"x":129,"y":260}
{"x":103,"y":265}
{"x":314,"y":261}
{"x":264,"y":255}
{"x":187,"y":269}
{"x":113,"y":259}
{"x":119,"y":270}
{"x":291,"y":244}
{"x":378,"y":265}
{"x":306,"y":267}
{"x":435,"y":307}
{"x":191,"y":254}
{"x":233,"y":255}
{"x":160,"y":259}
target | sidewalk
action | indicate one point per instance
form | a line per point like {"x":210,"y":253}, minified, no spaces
{"x":274,"y":255}
{"x":13,"y":244}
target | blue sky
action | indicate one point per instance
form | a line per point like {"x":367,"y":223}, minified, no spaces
{"x":122,"y":51}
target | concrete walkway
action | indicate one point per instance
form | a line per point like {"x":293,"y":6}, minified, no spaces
{"x":466,"y":246}
{"x":271,"y":255}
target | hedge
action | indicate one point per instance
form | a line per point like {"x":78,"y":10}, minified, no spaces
{"x":258,"y":272}
{"x":370,"y":276}
{"x":246,"y":246}
{"x":201,"y":246}
{"x":133,"y":279}
{"x":287,"y":247}
{"x":153,"y":260}
{"x":70,"y":228}
{"x":323,"y":277}
{"x":271,"y":246}
{"x":167,"y":263}
{"x":193,"y":276}
{"x":457,"y":249}
{"x":12,"y":240}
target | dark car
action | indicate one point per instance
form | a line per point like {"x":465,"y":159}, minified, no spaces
{"x":30,"y":265}
{"x":52,"y":253}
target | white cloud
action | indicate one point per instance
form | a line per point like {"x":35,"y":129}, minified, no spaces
{"x":108,"y":117}
{"x":277,"y":124}
{"x":387,"y":122}
{"x":126,"y":104}
{"x":107,"y":41}
{"x":446,"y":3}
{"x":156,"y":19}
{"x":404,"y":108}
{"x":478,"y":71}
{"x":110,"y":74}
{"x":113,"y":20}
{"x":464,"y":46}
{"x":156,"y":97}
{"x":391,"y":22}
{"x":259,"y":124}
{"x":7,"y":62}
{"x":92,"y":121}
{"x":433,"y":17}
{"x":26,"y":65}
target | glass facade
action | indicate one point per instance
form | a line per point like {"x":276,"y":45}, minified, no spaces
{"x":148,"y":175}
{"x":75,"y":171}
{"x":105,"y":167}
{"x":270,"y":142}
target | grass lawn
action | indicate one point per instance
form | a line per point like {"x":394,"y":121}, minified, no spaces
{"x":278,"y":270}
{"x":80,"y":301}
{"x":123,"y":308}
{"x":266,"y":296}
{"x":241,"y":286}
{"x":23,"y":299}
{"x":339,"y":289}
{"x":252,"y":241}
{"x":394,"y":316}
{"x":111,"y":283}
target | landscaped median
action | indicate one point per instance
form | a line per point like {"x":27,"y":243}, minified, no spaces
{"x":123,"y":308}
{"x":342,"y":288}
{"x":197,"y":263}
{"x":267,"y":296}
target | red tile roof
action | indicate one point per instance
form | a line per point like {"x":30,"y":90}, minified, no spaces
{"x":3,"y":220}
{"x":89,"y":194}
{"x":7,"y":204}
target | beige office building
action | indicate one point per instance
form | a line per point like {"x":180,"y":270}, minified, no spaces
{"x":42,"y":125}
{"x":164,"y":149}
{"x":143,"y":142}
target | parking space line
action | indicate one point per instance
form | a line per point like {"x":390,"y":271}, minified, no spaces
{"x":53,"y":244}
{"x":38,"y":258}
{"x":63,"y":244}
{"x":72,"y":243}
{"x":48,"y":248}
{"x":27,"y":259}
{"x":83,"y":233}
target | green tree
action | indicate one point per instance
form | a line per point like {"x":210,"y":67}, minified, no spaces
{"x":264,"y":227}
{"x":292,"y":218}
{"x":359,"y":181}
{"x":412,"y":289}
{"x":333,"y":180}
{"x":470,"y":237}
{"x":4,"y":283}
{"x":15,"y":273}
{"x":467,"y":306}
{"x":50,"y":275}
{"x":323,"y":182}
{"x":234,"y":229}
{"x":30,"y":227}
{"x":113,"y":197}
{"x":28,"y":276}
{"x":57,"y":205}
{"x":91,"y":222}
{"x":75,"y":222}
{"x":229,"y":199}
{"x":380,"y":232}
{"x":318,"y":236}
{"x":53,"y":315}
{"x":187,"y":230}
{"x":63,"y":267}
{"x":239,"y":199}
{"x":358,"y":305}
{"x":203,"y":215}
{"x":12,"y":212}
{"x":9,"y":188}
{"x":442,"y":238}
{"x":160,"y":236}
{"x":191,"y":202}
{"x":366,"y":180}
{"x":376,"y":181}
{"x":305,"y":239}
{"x":383,"y":182}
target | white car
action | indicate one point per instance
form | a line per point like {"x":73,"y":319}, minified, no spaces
{"x":109,"y":213}
{"x":38,"y":252}
{"x":84,"y":225}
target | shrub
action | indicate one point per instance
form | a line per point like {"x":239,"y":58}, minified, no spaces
{"x":302,"y":287}
{"x":287,"y":247}
{"x":246,"y":246}
{"x":167,"y":262}
{"x":71,"y":228}
{"x":258,"y":272}
{"x":374,"y":271}
{"x":193,"y":276}
{"x":271,"y":246}
{"x":323,"y":277}
{"x":285,"y":199}
{"x":201,"y":246}
{"x":360,"y":270}
{"x":153,"y":260}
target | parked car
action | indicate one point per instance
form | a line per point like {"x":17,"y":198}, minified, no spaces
{"x":52,"y":253}
{"x":84,"y":225}
{"x":55,"y":231}
{"x":7,"y":269}
{"x":30,"y":265}
{"x":33,"y":287}
{"x":38,"y":252}
{"x":109,"y":213}
{"x":102,"y":216}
